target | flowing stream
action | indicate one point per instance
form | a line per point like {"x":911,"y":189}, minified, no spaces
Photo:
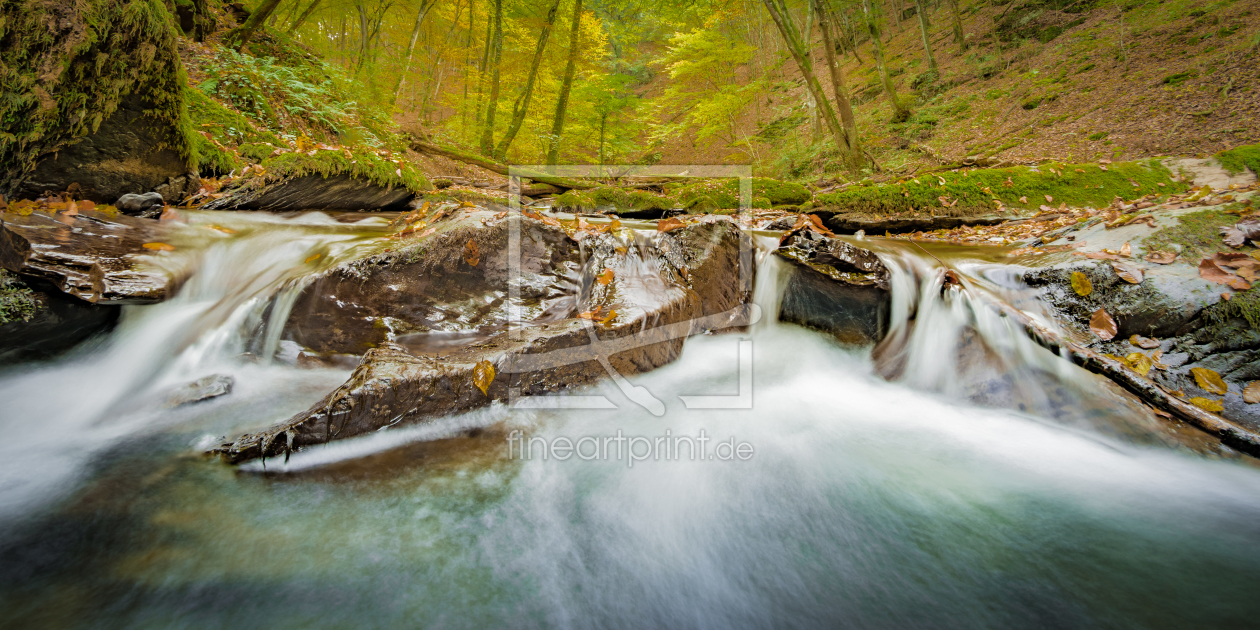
{"x":983,"y":483}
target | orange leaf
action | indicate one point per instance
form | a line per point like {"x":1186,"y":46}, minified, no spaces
{"x":591,"y":315}
{"x":670,"y":224}
{"x":1160,"y":258}
{"x":606,"y":277}
{"x":472,"y":255}
{"x":607,"y":320}
{"x":1103,"y":325}
{"x":159,"y":247}
{"x":1129,"y":273}
{"x":312,"y":258}
{"x":483,"y":376}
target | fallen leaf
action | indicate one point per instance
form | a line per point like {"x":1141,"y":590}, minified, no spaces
{"x":1103,"y":325}
{"x":219,"y":228}
{"x":1207,"y":404}
{"x":1212,"y":272}
{"x":1144,"y":342}
{"x":1081,"y":284}
{"x":606,"y":277}
{"x":1226,"y":296}
{"x":71,"y":209}
{"x":670,"y":224}
{"x":1049,"y":199}
{"x":312,"y":258}
{"x":159,"y":247}
{"x":1100,"y":255}
{"x":1023,"y":199}
{"x":591,"y":315}
{"x":608,"y":320}
{"x":1209,"y":381}
{"x":472,"y":255}
{"x":1160,"y":258}
{"x":1251,"y":393}
{"x":483,"y":376}
{"x":1129,"y":273}
{"x":1126,"y":250}
{"x":1139,"y":362}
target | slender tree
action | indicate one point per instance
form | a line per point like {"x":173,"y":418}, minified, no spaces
{"x":521,"y":106}
{"x":566,"y":84}
{"x":425,"y":5}
{"x":310,"y":8}
{"x":900,"y":112}
{"x":240,"y":36}
{"x":496,"y":52}
{"x":799,"y":49}
{"x":852,"y":150}
{"x":959,"y":38}
{"x":923,"y":30}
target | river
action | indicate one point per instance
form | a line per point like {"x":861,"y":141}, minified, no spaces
{"x":921,"y":501}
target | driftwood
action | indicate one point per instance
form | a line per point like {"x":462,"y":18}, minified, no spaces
{"x":1229,"y":433}
{"x":421,"y":146}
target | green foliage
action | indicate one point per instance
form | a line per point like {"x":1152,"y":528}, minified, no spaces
{"x":222,"y":136}
{"x":1179,"y":78}
{"x":382,"y":170}
{"x":720,"y":194}
{"x":1239,"y":158}
{"x":1098,"y":136}
{"x":704,"y":96}
{"x":620,"y":198}
{"x":1196,"y":233}
{"x":17,"y":301}
{"x":979,"y":190}
{"x":64,"y":71}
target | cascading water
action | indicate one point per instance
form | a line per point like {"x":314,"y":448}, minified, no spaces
{"x":866,"y":502}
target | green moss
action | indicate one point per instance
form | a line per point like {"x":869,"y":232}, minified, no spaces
{"x":17,"y":301}
{"x":622,"y":199}
{"x":364,"y":164}
{"x":1196,"y":234}
{"x":720,"y":194}
{"x":64,"y":70}
{"x":978,"y":190}
{"x":1239,"y":158}
{"x":1243,"y":305}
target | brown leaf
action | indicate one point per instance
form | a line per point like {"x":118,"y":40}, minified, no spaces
{"x":668,"y":225}
{"x":606,"y":277}
{"x":1103,"y":325}
{"x":1209,"y":381}
{"x":1126,"y":250}
{"x":483,"y":376}
{"x":71,"y":209}
{"x":1160,"y":258}
{"x":159,"y":247}
{"x":1049,"y":199}
{"x":1081,"y":284}
{"x":1209,"y":270}
{"x":1207,"y":404}
{"x":1023,"y":199}
{"x":1100,"y":256}
{"x":1251,"y":393}
{"x":1144,"y":342}
{"x":1129,"y":273}
{"x":472,"y":255}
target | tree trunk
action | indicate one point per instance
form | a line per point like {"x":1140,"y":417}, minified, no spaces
{"x":521,"y":107}
{"x":310,"y":8}
{"x":570,"y":67}
{"x":900,"y":113}
{"x":851,"y":36}
{"x":800,"y":50}
{"x":923,"y":30}
{"x":411,"y":48}
{"x":487,"y":134}
{"x":481,"y":70}
{"x":241,"y":36}
{"x":851,"y":148}
{"x":463,"y":105}
{"x":959,"y":38}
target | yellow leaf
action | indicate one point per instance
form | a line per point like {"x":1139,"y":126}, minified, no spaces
{"x":483,"y":375}
{"x":1081,"y":284}
{"x":606,"y":277}
{"x":1209,"y":381}
{"x":313,"y":258}
{"x":1139,"y":362}
{"x":1207,"y":404}
{"x":159,"y":246}
{"x":608,"y":320}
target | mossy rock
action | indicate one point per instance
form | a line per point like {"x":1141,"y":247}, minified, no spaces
{"x":67,"y":68}
{"x":723,"y":194}
{"x":366,"y":165}
{"x":623,"y":200}
{"x":979,"y":190}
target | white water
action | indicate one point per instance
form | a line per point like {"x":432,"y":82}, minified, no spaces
{"x":867,"y":503}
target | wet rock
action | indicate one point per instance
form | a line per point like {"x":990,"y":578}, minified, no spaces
{"x":314,"y":192}
{"x":657,"y":295}
{"x":835,"y":287}
{"x":127,"y":153}
{"x":148,"y":205}
{"x":201,"y":389}
{"x":841,"y":222}
{"x":92,"y":255}
{"x":54,"y":323}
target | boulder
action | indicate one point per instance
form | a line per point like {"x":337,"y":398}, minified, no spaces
{"x":438,"y":316}
{"x":835,"y":287}
{"x":148,"y":205}
{"x":48,"y":322}
{"x":91,"y":255}
{"x":201,"y":389}
{"x":315,"y":192}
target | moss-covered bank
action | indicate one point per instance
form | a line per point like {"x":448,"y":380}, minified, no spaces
{"x":66,"y":66}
